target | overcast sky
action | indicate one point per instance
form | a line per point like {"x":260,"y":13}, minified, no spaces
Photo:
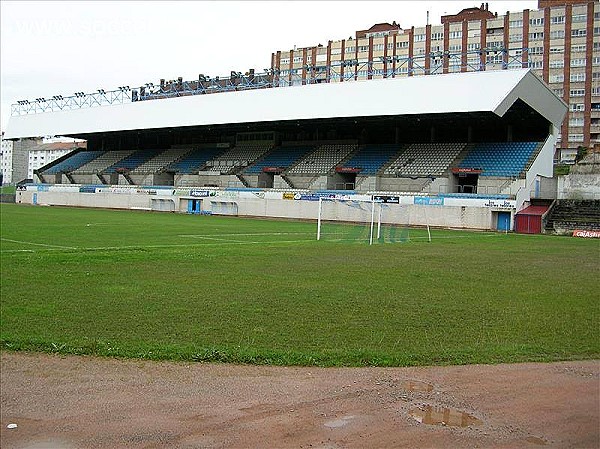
{"x":58,"y":48}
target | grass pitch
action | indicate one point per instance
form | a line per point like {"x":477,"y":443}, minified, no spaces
{"x":207,"y":288}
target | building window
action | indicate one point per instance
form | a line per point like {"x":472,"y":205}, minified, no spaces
{"x":577,"y":77}
{"x":579,"y":18}
{"x":557,"y":34}
{"x":454,"y":48}
{"x":576,"y":137}
{"x":402,"y":44}
{"x":557,"y":78}
{"x":350,"y":49}
{"x":472,"y":47}
{"x":557,"y":64}
{"x":515,"y":24}
{"x":363,"y":48}
{"x":558,"y":92}
{"x":595,"y":91}
{"x":297,"y":59}
{"x":437,"y":36}
{"x":577,"y":48}
{"x":536,"y":36}
{"x":557,"y":19}
{"x":576,"y":121}
{"x":577,"y":62}
{"x":455,"y":35}
{"x":537,"y":21}
{"x":536,"y":64}
{"x":378,"y":47}
{"x":595,"y":76}
{"x":578,"y":33}
{"x":536,"y":50}
{"x":577,"y":92}
{"x":285,"y":61}
{"x":576,"y":107}
{"x":515,"y":37}
{"x":494,"y":59}
{"x":419,"y":38}
{"x":556,"y":50}
{"x":596,"y":60}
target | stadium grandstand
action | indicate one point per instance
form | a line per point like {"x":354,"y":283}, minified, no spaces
{"x":481,"y":140}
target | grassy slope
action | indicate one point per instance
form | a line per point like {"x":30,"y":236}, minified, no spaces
{"x":465,"y":298}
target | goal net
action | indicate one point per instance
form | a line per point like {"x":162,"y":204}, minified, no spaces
{"x":368,"y":221}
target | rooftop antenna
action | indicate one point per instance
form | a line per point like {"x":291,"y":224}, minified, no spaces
{"x":427,"y":17}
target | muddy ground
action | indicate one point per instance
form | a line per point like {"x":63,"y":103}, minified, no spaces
{"x":86,"y":402}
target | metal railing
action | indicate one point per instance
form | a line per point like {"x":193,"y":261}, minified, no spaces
{"x":436,"y":62}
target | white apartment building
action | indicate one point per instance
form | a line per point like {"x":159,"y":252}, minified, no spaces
{"x":21,"y":158}
{"x":6,"y":160}
{"x":560,"y":41}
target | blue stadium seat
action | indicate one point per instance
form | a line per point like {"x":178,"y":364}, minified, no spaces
{"x":73,"y":162}
{"x":283,"y":157}
{"x":194,"y":160}
{"x":503,"y":159}
{"x":371,"y":158}
{"x":134,"y":160}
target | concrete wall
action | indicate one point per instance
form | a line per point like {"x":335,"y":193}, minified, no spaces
{"x":579,"y":186}
{"x":471,"y":213}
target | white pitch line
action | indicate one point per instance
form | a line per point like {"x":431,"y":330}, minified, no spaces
{"x":38,"y":244}
{"x":242,"y":235}
{"x":120,"y":248}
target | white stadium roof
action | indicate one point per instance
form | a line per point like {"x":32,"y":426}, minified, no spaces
{"x":486,"y":91}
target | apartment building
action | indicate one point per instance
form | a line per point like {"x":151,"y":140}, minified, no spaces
{"x":20,"y":158}
{"x":6,"y":160}
{"x":560,"y":41}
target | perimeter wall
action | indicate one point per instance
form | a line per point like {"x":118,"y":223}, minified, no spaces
{"x":443,"y":211}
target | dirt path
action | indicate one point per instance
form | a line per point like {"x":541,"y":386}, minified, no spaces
{"x":85,"y":402}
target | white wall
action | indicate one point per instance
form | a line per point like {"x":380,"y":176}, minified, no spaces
{"x":467,"y":213}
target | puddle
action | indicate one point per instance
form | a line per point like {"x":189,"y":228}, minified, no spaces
{"x":536,"y":440}
{"x":338,"y":422}
{"x":417,"y":385}
{"x":443,"y":417}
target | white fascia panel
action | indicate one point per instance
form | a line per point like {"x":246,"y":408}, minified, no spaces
{"x":533,"y":91}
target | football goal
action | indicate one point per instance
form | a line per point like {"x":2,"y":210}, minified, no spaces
{"x":367,"y":221}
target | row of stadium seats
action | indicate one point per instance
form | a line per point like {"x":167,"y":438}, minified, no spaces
{"x":322,"y":160}
{"x":424,"y":159}
{"x":104,"y":161}
{"x":283,"y":157}
{"x":160,"y":161}
{"x":370,"y":158}
{"x":193,"y":160}
{"x":73,"y":162}
{"x":505,"y":159}
{"x":133,"y":161}
{"x":238,"y":156}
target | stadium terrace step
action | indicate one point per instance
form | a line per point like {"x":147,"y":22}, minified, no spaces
{"x":568,"y":215}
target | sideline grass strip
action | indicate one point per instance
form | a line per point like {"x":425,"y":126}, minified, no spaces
{"x":134,"y":287}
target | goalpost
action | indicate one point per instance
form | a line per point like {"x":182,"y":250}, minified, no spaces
{"x":346,"y":220}
{"x":372,"y":221}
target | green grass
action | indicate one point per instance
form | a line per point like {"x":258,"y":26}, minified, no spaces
{"x":181,"y":287}
{"x":7,"y":189}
